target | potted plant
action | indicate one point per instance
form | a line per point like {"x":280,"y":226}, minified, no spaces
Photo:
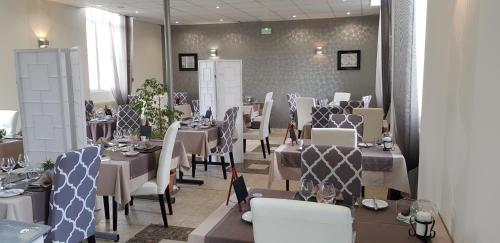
{"x":48,"y":165}
{"x":2,"y":134}
{"x":158,"y":115}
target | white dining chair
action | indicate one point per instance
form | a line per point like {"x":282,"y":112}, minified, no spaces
{"x":373,"y":122}
{"x":293,"y":221}
{"x":263,"y":132}
{"x":259,"y":118}
{"x":8,"y":121}
{"x":160,"y":184}
{"x":304,"y":112}
{"x":366,"y":101}
{"x":340,"y":96}
{"x":334,"y":136}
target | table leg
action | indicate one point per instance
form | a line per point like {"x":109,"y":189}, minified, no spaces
{"x":126,"y":209}
{"x":115,"y":215}
{"x":193,"y":165}
{"x":287,"y":185}
{"x":189,"y":181}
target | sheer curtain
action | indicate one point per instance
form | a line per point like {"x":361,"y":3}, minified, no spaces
{"x":107,"y":53}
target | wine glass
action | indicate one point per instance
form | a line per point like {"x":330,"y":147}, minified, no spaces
{"x":23,"y":162}
{"x":306,"y":189}
{"x":7,"y":164}
{"x":300,"y":142}
{"x":327,"y":191}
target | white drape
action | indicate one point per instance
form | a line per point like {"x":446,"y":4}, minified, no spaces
{"x":107,"y":53}
{"x":379,"y":94}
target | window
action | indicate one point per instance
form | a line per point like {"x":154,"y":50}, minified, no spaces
{"x":106,"y":49}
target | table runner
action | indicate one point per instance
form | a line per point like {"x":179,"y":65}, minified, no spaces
{"x":11,"y":148}
{"x":370,"y":226}
{"x":396,"y":178}
{"x":101,"y":129}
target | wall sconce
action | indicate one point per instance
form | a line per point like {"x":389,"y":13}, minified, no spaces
{"x":43,"y":43}
{"x":318,"y":50}
{"x":213,"y":52}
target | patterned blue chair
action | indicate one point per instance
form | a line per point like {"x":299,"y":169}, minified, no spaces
{"x":73,"y":199}
{"x":128,"y":118}
{"x":180,"y":98}
{"x":350,"y":121}
{"x":348,"y":106}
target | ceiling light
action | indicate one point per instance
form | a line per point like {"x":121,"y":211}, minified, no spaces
{"x":221,"y":20}
{"x":136,"y":12}
{"x":217,"y":7}
{"x":295,"y":16}
{"x":177,"y":22}
{"x":98,"y":5}
{"x":374,"y":3}
{"x":348,"y":13}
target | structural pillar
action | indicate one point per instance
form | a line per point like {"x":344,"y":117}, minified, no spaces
{"x":169,"y":81}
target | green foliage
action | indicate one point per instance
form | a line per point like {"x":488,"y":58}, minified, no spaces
{"x":48,"y":165}
{"x":158,"y":115}
{"x":2,"y":133}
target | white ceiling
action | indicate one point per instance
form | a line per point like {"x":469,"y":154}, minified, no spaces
{"x":206,"y":12}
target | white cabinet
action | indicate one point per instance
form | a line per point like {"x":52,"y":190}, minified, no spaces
{"x":220,"y":87}
{"x":50,"y":88}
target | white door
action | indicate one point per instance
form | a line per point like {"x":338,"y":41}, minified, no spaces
{"x":229,"y":94}
{"x":207,"y":90}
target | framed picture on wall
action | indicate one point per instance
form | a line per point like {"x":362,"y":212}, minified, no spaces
{"x":188,"y":62}
{"x":349,"y":60}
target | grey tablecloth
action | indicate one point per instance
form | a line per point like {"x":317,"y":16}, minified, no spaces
{"x":101,"y":129}
{"x":198,"y":141}
{"x":225,"y":225}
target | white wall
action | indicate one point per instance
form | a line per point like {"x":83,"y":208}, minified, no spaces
{"x":147,"y":54}
{"x":459,"y":161}
{"x":67,"y":29}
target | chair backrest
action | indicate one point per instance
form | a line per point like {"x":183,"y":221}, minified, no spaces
{"x":366,"y":101}
{"x":335,"y":164}
{"x":182,"y":97}
{"x":321,"y":115}
{"x":128,"y":118}
{"x":131,"y":99}
{"x":89,"y":106}
{"x":225,"y":141}
{"x":348,"y":106}
{"x":304,"y":106}
{"x":341,"y":96}
{"x":73,"y":199}
{"x":292,"y":102}
{"x":266,"y":116}
{"x":373,"y":121}
{"x":165,"y":160}
{"x":351,"y":121}
{"x":334,"y":136}
{"x":8,"y":121}
{"x":269,"y":97}
{"x":292,"y":221}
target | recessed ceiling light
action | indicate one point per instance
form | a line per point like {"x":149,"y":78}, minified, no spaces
{"x":348,"y":13}
{"x":374,"y":3}
{"x":99,"y":5}
{"x":177,"y":22}
{"x":294,"y":16}
{"x":136,"y":12}
{"x":217,"y":7}
{"x":221,"y":20}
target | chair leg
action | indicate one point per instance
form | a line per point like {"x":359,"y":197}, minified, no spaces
{"x":244,"y":145}
{"x":287,"y":185}
{"x":91,"y":239}
{"x":263,"y":148}
{"x":269,"y":129}
{"x":268,"y":146}
{"x":223,"y":164}
{"x":206,"y":163}
{"x":169,"y":200}
{"x":106,"y":206}
{"x":231,"y":160}
{"x":193,"y":166}
{"x":131,"y":201}
{"x":300,"y":132}
{"x":126,"y":209}
{"x":162,"y":208}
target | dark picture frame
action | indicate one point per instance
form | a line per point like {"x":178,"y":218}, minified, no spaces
{"x":349,"y":60}
{"x":188,"y":62}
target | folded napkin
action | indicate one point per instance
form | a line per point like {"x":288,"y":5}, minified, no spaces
{"x":103,"y":141}
{"x":45,"y":179}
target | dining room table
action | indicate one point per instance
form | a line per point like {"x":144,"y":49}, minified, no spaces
{"x":185,"y":109}
{"x":379,"y":167}
{"x":225,"y":224}
{"x":101,"y":128}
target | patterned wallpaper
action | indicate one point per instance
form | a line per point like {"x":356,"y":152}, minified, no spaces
{"x":284,"y":62}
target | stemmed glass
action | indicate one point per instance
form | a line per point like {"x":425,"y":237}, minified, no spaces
{"x":24,"y":162}
{"x":306,"y":189}
{"x":8,"y":164}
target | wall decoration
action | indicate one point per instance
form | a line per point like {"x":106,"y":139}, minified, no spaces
{"x":349,"y":60}
{"x":188,"y":62}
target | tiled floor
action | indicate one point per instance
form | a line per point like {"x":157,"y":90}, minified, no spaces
{"x":195,"y":203}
